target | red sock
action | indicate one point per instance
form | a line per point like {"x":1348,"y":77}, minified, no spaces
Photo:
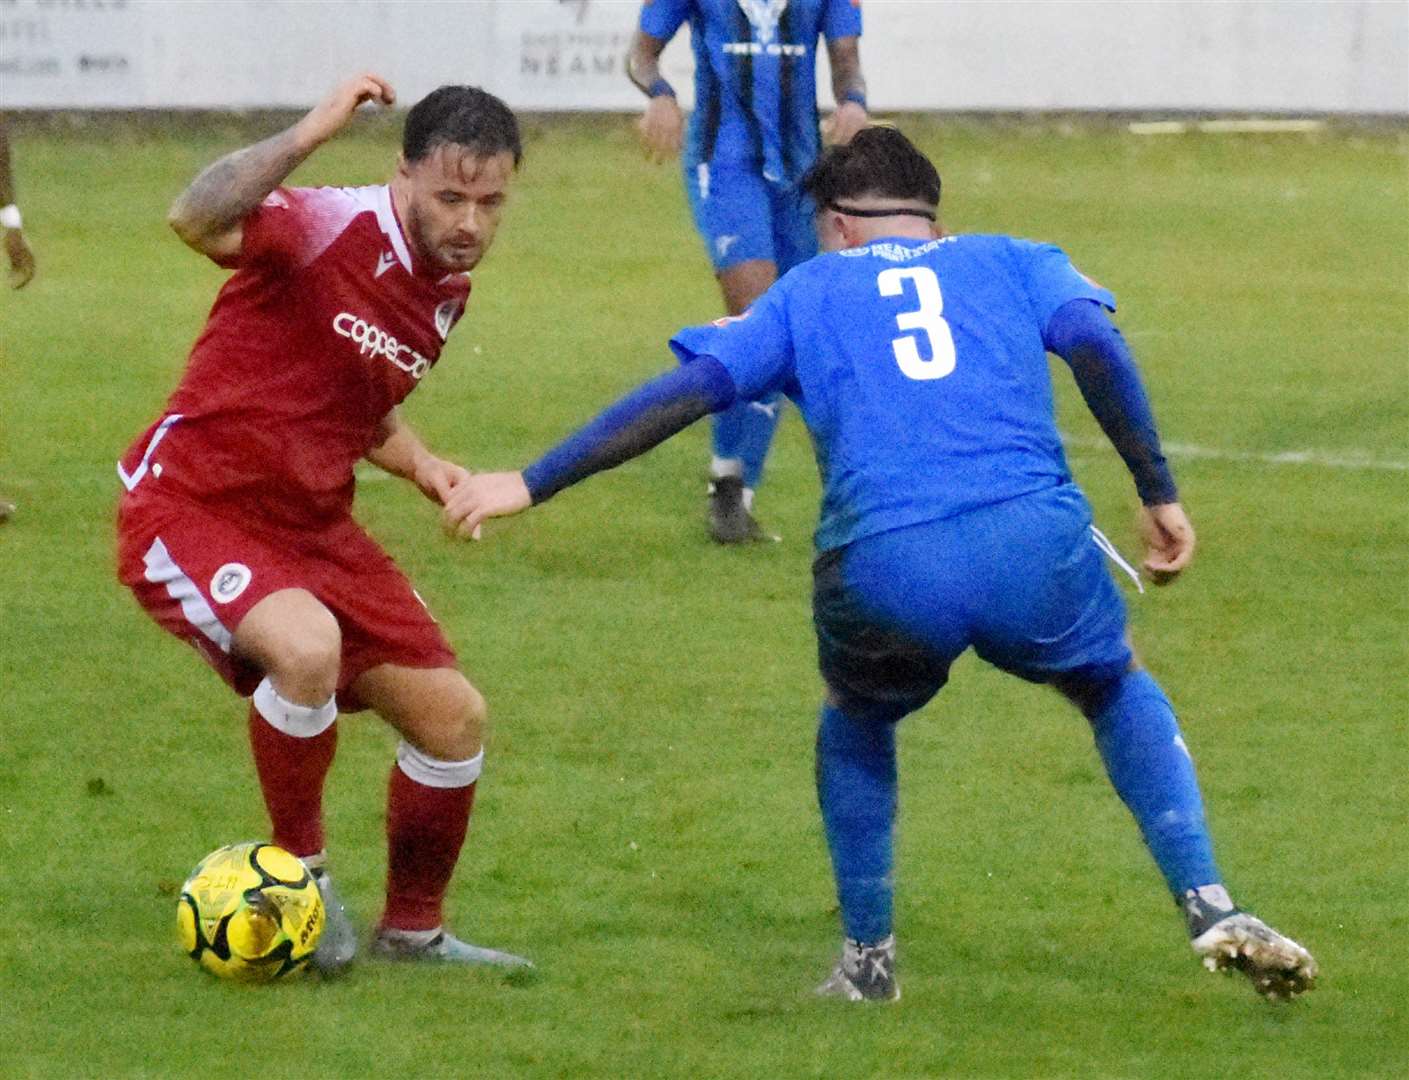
{"x":425,"y":830}
{"x":291,"y":773}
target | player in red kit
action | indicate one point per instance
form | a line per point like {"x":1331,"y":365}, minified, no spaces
{"x":234,"y":530}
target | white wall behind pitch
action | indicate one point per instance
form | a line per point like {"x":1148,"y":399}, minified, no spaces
{"x":1218,"y":55}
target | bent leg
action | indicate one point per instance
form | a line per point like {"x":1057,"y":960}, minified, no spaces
{"x":440,"y":717}
{"x":1150,"y":768}
{"x":296,"y":642}
{"x":743,"y":432}
{"x":856,"y":791}
{"x":876,"y":672}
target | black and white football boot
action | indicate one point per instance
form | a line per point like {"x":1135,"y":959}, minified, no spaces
{"x":730,"y":519}
{"x":1231,"y":940}
{"x":864,"y":973}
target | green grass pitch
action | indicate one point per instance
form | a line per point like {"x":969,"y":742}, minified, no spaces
{"x":646,"y":828}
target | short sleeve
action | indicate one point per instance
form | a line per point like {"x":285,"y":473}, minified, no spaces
{"x":756,"y":348}
{"x":1051,"y":280}
{"x":661,"y":18}
{"x":842,"y":19}
{"x":293,"y":226}
{"x":273,"y":232}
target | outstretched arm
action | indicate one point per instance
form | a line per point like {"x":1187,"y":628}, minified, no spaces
{"x":209,"y":215}
{"x":662,"y":123}
{"x":642,"y":419}
{"x":848,"y":89}
{"x":1110,"y":383}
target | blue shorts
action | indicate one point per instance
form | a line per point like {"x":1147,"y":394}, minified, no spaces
{"x":741,"y":216}
{"x":1021,"y":581}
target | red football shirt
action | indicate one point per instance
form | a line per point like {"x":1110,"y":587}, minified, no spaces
{"x":326,"y":326}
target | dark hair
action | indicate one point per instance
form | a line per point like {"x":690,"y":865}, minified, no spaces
{"x":877,"y":161}
{"x":462,"y":116}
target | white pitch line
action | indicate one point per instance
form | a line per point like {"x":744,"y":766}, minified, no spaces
{"x":1345,"y":459}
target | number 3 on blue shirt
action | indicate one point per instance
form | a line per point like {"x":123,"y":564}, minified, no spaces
{"x":928,"y":318}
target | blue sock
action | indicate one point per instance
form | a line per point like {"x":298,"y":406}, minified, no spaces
{"x":744,"y":431}
{"x":1152,"y":772}
{"x":856,"y":789}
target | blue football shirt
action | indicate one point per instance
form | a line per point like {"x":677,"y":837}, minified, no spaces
{"x":755,"y":77}
{"x":919,"y":369}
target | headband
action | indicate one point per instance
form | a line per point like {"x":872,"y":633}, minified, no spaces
{"x":900,"y":211}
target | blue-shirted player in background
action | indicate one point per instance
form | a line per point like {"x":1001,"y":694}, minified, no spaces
{"x":753,"y":134}
{"x":949,"y":519}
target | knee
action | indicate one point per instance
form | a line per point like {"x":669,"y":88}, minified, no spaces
{"x":295,"y":640}
{"x":313,"y":655}
{"x":1091,"y":691}
{"x":455,"y":732}
{"x":305,"y":666}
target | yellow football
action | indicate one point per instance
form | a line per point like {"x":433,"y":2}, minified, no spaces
{"x":250,"y":912}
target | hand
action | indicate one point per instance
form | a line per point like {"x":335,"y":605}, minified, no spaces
{"x":437,"y":478}
{"x":484,"y":496}
{"x":1169,"y":541}
{"x":21,"y":259}
{"x":848,"y":119}
{"x":661,"y":126}
{"x":330,"y":115}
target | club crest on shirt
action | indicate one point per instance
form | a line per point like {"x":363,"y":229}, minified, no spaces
{"x":763,"y":16}
{"x":445,"y":316}
{"x":229,"y":582}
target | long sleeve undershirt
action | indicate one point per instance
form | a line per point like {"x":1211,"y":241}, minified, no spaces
{"x":1079,"y":332}
{"x":644,"y":418}
{"x":1105,"y":372}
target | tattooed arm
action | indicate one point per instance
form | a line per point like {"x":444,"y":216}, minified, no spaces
{"x":848,"y":89}
{"x":209,"y":215}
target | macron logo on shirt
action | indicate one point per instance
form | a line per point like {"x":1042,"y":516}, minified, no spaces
{"x":385,"y":261}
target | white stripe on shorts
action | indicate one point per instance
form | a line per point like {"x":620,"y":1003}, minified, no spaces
{"x":130,"y":482}
{"x":1103,"y":542}
{"x":162,"y":570}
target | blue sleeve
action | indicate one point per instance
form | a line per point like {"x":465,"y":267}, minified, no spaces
{"x":755,"y":348}
{"x":644,"y":418}
{"x":841,"y":19}
{"x":1105,"y":372}
{"x":1051,"y":280}
{"x":661,"y":18}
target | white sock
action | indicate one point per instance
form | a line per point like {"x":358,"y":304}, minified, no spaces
{"x":432,"y":772}
{"x":300,"y":721}
{"x":411,"y":937}
{"x":720,"y":467}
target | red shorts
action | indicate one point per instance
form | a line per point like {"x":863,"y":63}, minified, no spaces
{"x":198,"y":573}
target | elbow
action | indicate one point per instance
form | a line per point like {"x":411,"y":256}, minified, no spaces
{"x":180,"y":221}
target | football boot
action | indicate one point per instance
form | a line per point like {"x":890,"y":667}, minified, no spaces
{"x":864,"y":973}
{"x":1231,"y":940}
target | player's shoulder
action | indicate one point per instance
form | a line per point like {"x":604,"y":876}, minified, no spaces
{"x":323,"y":201}
{"x":1021,"y":248}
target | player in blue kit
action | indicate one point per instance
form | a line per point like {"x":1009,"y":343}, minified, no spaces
{"x":949,"y":520}
{"x":753,"y":134}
